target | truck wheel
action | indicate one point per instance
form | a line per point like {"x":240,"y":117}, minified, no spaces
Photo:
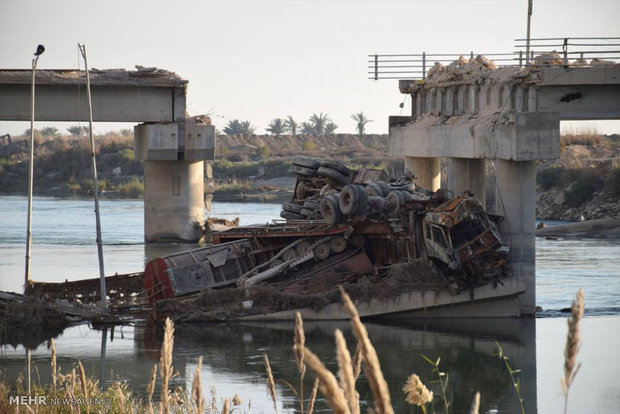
{"x":374,"y":190}
{"x":291,"y":207}
{"x":330,"y":210}
{"x":384,"y":187}
{"x":290,"y":254}
{"x":395,"y":201}
{"x":302,"y":247}
{"x":307,"y":162}
{"x":337,"y":166}
{"x":291,"y":216}
{"x":310,"y":172}
{"x":311,"y":205}
{"x":362,"y":203}
{"x":338,"y":244}
{"x":349,"y":199}
{"x":321,"y":251}
{"x":337,"y":178}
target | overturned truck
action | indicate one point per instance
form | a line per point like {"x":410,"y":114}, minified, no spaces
{"x":398,"y":249}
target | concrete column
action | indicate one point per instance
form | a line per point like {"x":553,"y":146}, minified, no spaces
{"x":428,"y":171}
{"x":438,"y":100}
{"x":173,"y":200}
{"x":507,"y":98}
{"x":467,"y":174}
{"x":519,"y":95}
{"x":484,"y":96}
{"x":495,"y":96}
{"x":531,"y":99}
{"x":516,"y":200}
{"x":461,"y":100}
{"x":429,"y":100}
{"x":450,"y":101}
{"x":419,"y":104}
{"x":473,"y":99}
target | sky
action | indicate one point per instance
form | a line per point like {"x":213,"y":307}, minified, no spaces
{"x":258,"y":60}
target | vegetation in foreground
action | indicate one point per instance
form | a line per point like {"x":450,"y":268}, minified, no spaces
{"x":339,"y":392}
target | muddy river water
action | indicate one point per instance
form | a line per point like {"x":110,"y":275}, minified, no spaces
{"x":64,"y":248}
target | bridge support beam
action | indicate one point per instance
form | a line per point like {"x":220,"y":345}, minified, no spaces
{"x":427,"y":169}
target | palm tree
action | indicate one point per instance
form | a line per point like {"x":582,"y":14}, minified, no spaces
{"x":27,"y":132}
{"x":361,"y":120}
{"x":276,"y":127}
{"x":291,"y":125}
{"x":49,"y":131}
{"x":319,"y":122}
{"x":75,"y":130}
{"x":236,"y":127}
{"x":307,"y":129}
{"x":330,"y":127}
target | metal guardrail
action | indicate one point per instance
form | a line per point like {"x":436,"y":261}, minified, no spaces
{"x":415,"y":66}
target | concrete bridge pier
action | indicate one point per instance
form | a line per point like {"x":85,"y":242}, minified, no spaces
{"x":427,"y":170}
{"x":467,"y":174}
{"x":174,"y":155}
{"x":515,"y":199}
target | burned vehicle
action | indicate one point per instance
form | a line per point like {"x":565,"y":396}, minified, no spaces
{"x":358,"y":228}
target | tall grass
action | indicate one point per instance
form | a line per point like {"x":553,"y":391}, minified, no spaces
{"x":583,"y":135}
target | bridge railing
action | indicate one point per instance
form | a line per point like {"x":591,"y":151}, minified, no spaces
{"x":563,"y":51}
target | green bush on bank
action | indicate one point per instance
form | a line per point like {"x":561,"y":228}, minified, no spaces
{"x":588,"y":182}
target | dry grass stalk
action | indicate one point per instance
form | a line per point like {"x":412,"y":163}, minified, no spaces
{"x":300,"y":342}
{"x":416,"y":392}
{"x":315,"y":389}
{"x":345,"y":373}
{"x":150,"y":389}
{"x":328,"y":384}
{"x":165,"y":364}
{"x":197,"y":389}
{"x":226,"y":408}
{"x":236,"y":400}
{"x":573,"y":343}
{"x":83,"y":379}
{"x":54,"y":368}
{"x":357,"y":360}
{"x":270,"y":382}
{"x":475,"y":404}
{"x":373,"y":371}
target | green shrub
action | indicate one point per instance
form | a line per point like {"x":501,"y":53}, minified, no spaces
{"x":309,"y":145}
{"x":588,"y":182}
{"x":133,"y":188}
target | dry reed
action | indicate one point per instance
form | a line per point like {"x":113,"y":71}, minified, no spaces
{"x":345,"y":372}
{"x":197,"y":396}
{"x":300,"y":341}
{"x":83,"y":379}
{"x":150,"y":389}
{"x":270,"y":382}
{"x":54,"y":368}
{"x":475,"y":404}
{"x":315,"y":389}
{"x":236,"y":400}
{"x":573,"y":343}
{"x":372,"y":369}
{"x":328,"y":384}
{"x":416,"y":392}
{"x":226,"y":408}
{"x":165,"y":364}
{"x":357,"y":360}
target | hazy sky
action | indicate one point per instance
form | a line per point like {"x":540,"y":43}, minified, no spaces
{"x":258,"y":60}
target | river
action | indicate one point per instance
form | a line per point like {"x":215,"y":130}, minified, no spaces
{"x":64,"y":248}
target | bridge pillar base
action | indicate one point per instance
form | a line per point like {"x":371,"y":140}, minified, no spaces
{"x":173,"y":200}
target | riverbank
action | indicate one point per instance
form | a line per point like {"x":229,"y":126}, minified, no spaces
{"x":608,"y":228}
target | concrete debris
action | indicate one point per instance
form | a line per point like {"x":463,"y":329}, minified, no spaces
{"x":552,"y":58}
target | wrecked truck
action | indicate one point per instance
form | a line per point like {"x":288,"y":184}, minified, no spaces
{"x":343,"y":227}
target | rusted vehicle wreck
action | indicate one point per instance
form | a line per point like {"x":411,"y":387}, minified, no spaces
{"x":398,"y":250}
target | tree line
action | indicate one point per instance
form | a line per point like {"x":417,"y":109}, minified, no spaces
{"x":318,"y":125}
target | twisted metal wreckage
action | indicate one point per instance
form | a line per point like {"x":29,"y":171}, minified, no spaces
{"x":395,"y":246}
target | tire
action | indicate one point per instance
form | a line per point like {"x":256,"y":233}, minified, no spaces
{"x":337,"y":166}
{"x":330,"y":210}
{"x":302,"y":247}
{"x":362,"y":204}
{"x":337,"y":178}
{"x":291,"y":216}
{"x":310,"y":172}
{"x":290,"y":254}
{"x":322,"y":251}
{"x":338,"y":244}
{"x":374,"y":190}
{"x":291,"y":207}
{"x":377,"y":203}
{"x":395,"y":201}
{"x":306,"y":162}
{"x":384,"y":187}
{"x":275,"y":263}
{"x":349,"y":199}
{"x":311,"y":205}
